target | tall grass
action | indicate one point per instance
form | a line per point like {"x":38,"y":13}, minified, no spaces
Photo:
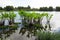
{"x":48,"y":36}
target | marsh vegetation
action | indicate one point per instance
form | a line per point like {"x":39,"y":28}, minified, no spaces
{"x":32,"y":24}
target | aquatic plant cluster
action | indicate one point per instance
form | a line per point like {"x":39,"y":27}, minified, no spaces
{"x":32,"y":22}
{"x":32,"y":25}
{"x":9,"y":16}
{"x":11,"y":27}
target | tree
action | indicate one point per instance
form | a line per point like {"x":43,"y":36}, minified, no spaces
{"x":43,"y":9}
{"x":28,"y":7}
{"x":1,"y":8}
{"x":50,"y":9}
{"x":57,"y":8}
{"x":19,"y":8}
{"x":8,"y":8}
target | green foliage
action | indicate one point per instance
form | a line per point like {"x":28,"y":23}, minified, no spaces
{"x":48,"y":16}
{"x":9,"y":15}
{"x":46,"y":9}
{"x":30,"y":26}
{"x":12,"y":15}
{"x":9,"y":8}
{"x":57,"y":8}
{"x":28,"y":8}
{"x":1,"y":8}
{"x":22,"y":13}
{"x":5,"y":15}
{"x":14,"y":27}
{"x":45,"y":36}
{"x":57,"y":36}
{"x":10,"y":27}
{"x":43,"y":9}
{"x":3,"y":27}
{"x":32,"y":15}
{"x":50,"y":8}
{"x":48,"y":36}
{"x":0,"y":16}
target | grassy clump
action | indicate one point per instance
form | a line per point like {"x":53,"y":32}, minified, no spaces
{"x":48,"y":36}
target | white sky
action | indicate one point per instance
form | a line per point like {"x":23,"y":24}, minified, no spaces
{"x":32,"y":3}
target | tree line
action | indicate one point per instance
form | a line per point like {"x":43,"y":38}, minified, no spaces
{"x":28,"y":8}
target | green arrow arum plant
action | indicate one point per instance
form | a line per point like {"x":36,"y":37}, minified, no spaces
{"x":32,"y":25}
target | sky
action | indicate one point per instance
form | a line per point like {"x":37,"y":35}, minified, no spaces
{"x":32,"y":3}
